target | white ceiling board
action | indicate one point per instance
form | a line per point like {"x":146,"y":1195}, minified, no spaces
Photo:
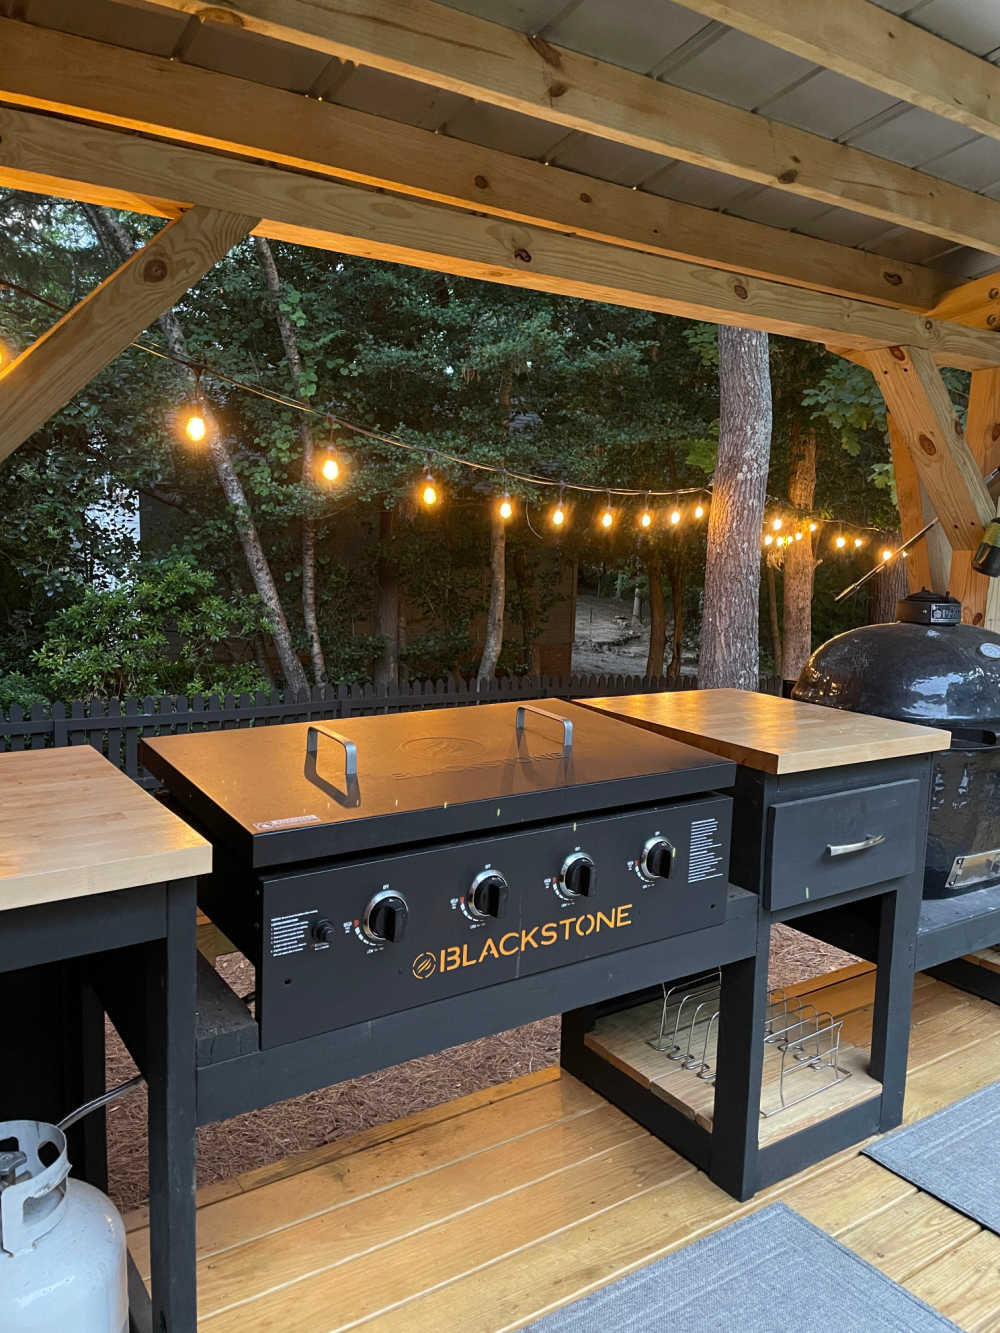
{"x":975,"y":166}
{"x":779,"y":209}
{"x":610,"y":161}
{"x":398,"y":99}
{"x":247,"y":55}
{"x":974,"y":24}
{"x":508,"y":131}
{"x":651,"y":32}
{"x":740,"y":70}
{"x":155,"y":30}
{"x":697,"y":185}
{"x":827,"y":104}
{"x":913,"y":137}
{"x":524,"y":15}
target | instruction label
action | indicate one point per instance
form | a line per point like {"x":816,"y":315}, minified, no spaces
{"x":291,"y":934}
{"x":705,"y":852}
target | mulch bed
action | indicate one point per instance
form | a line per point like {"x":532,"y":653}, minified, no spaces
{"x":261,"y":1137}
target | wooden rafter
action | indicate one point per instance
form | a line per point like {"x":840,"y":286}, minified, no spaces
{"x":443,"y":47}
{"x":47,"y":375}
{"x":867,"y":43}
{"x":203,"y":108}
{"x":917,"y":397}
{"x":346,"y":218}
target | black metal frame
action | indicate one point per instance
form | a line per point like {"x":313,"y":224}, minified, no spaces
{"x":889,"y":913}
{"x":50,"y":970}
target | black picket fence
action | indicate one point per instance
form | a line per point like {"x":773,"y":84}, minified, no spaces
{"x":114,"y":726}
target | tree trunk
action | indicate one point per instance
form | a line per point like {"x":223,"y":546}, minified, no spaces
{"x":800,"y":563}
{"x":387,"y":604}
{"x":291,"y":347}
{"x":772,"y":607}
{"x":498,"y":590}
{"x":885,"y":589}
{"x":657,"y":616}
{"x":729,"y":650}
{"x":113,"y":234}
{"x":678,"y":584}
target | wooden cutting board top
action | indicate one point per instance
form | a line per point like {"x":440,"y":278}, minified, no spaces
{"x":71,"y":824}
{"x":771,"y":734}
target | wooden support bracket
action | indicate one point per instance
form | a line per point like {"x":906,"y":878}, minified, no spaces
{"x":918,"y":399}
{"x":980,"y":596}
{"x":47,"y":375}
{"x":929,"y":562}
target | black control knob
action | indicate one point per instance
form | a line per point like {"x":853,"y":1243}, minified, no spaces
{"x":324,"y":931}
{"x":579,"y":875}
{"x":385,"y":918}
{"x":488,"y":894}
{"x":657,"y":859}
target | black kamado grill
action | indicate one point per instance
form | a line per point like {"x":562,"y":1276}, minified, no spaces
{"x":929,"y":668}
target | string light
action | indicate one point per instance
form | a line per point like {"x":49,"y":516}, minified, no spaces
{"x":675,"y":517}
{"x":840,"y":543}
{"x":777,"y":524}
{"x":798,"y":536}
{"x":699,"y":511}
{"x":813,"y":527}
{"x":559,"y":513}
{"x":429,"y":491}
{"x":768,"y":540}
{"x":858,"y":543}
{"x":607,"y":516}
{"x":646,"y":518}
{"x":506,"y":508}
{"x":887,"y":555}
{"x":330,"y":469}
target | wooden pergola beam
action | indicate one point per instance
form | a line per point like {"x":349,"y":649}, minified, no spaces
{"x":865,"y":42}
{"x":47,"y":375}
{"x":976,"y":303}
{"x":449,"y":49}
{"x":206,"y":109}
{"x":331,"y":215}
{"x":929,"y":562}
{"x":918,"y":398}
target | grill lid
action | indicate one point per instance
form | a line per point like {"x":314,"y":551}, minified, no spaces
{"x":301,"y":791}
{"x":925,"y":668}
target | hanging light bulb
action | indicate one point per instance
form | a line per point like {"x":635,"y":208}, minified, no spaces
{"x":559,"y":513}
{"x":768,"y":540}
{"x":195,"y":427}
{"x":858,"y":543}
{"x":887,"y":555}
{"x":777,"y":524}
{"x":813,"y":527}
{"x":699,"y":511}
{"x":429,"y":491}
{"x":675,"y":517}
{"x":607,"y":515}
{"x":840,"y":543}
{"x":506,"y":508}
{"x":646,"y":518}
{"x":330,"y":469}
{"x":798,"y":536}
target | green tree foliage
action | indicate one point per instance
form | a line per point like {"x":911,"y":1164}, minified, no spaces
{"x":158,"y":632}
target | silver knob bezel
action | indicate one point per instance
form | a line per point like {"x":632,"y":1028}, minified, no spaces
{"x":470,"y":897}
{"x":575,"y":858}
{"x":643,"y":862}
{"x":379,"y":898}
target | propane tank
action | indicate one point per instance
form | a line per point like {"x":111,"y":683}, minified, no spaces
{"x":62,"y":1242}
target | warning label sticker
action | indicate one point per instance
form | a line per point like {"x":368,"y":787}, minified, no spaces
{"x":291,"y":821}
{"x":291,"y":934}
{"x":705,"y":855}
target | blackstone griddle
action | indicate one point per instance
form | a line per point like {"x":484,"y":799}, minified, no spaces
{"x":375,"y":864}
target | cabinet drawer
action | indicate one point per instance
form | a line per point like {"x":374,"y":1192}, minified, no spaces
{"x":824,"y":845}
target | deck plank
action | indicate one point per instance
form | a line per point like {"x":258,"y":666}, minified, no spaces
{"x":484,"y":1215}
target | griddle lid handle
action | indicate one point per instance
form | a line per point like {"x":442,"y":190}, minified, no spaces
{"x":564,"y":722}
{"x":350,"y":749}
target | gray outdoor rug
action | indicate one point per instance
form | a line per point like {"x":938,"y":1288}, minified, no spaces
{"x":952,"y":1154}
{"x":771,"y":1272}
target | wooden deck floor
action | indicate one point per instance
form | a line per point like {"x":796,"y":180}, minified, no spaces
{"x":479,"y":1215}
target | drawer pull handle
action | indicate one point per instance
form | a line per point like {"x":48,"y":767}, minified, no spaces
{"x":350,"y":749}
{"x":846,"y":848}
{"x":563,"y":722}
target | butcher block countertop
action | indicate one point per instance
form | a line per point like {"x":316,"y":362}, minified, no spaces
{"x":771,"y":734}
{"x":71,"y":824}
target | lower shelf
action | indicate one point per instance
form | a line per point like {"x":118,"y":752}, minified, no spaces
{"x":795,"y":1092}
